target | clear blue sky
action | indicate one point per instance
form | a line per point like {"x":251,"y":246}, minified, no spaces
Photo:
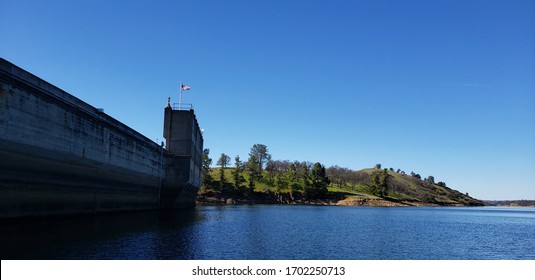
{"x":442,"y":88}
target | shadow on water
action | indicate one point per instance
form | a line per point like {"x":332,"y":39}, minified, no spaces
{"x":278,"y":232}
{"x":126,"y":235}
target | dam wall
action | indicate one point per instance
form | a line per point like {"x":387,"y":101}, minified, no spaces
{"x":60,"y":155}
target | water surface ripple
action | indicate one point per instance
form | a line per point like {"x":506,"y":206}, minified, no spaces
{"x":280,"y":232}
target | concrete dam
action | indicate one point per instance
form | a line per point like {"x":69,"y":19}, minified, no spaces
{"x":62,"y":156}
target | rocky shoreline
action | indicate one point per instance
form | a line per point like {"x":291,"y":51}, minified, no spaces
{"x":378,"y":202}
{"x":341,"y":201}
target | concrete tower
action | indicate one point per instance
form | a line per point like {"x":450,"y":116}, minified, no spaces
{"x":183,"y":159}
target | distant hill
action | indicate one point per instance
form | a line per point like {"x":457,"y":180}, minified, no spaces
{"x":367,"y":187}
{"x":512,"y":203}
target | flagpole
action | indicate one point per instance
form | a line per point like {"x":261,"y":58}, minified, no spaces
{"x":180,"y":101}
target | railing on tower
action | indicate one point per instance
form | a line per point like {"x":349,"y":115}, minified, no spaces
{"x":182,"y":107}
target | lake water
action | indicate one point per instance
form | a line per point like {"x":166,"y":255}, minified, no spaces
{"x":280,"y":232}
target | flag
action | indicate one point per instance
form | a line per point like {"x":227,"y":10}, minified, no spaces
{"x":184,"y":87}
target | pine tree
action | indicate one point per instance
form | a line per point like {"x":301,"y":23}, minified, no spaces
{"x":223,"y":161}
{"x":379,"y":184}
{"x":318,"y":181}
{"x":206,"y":171}
{"x":251,"y":169}
{"x":237,"y":173}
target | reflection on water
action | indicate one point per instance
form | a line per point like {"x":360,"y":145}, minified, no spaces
{"x":279,"y":232}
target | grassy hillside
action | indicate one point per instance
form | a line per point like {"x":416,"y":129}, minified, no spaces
{"x":355,"y":185}
{"x":409,"y":188}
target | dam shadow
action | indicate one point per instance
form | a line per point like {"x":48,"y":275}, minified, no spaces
{"x":125,"y":235}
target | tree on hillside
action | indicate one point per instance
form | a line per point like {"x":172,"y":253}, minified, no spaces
{"x":206,"y":171}
{"x":260,"y":155}
{"x":271,"y":171}
{"x":223,"y":161}
{"x":378,"y":166}
{"x":375,"y":183}
{"x":379,"y":183}
{"x":292,"y":177}
{"x":251,"y":167}
{"x":430,"y":179}
{"x":317,"y":182}
{"x":276,"y":170}
{"x":280,"y":183}
{"x":277,"y":174}
{"x":304,"y":174}
{"x":384,"y":184}
{"x":238,"y":173}
{"x":340,"y":175}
